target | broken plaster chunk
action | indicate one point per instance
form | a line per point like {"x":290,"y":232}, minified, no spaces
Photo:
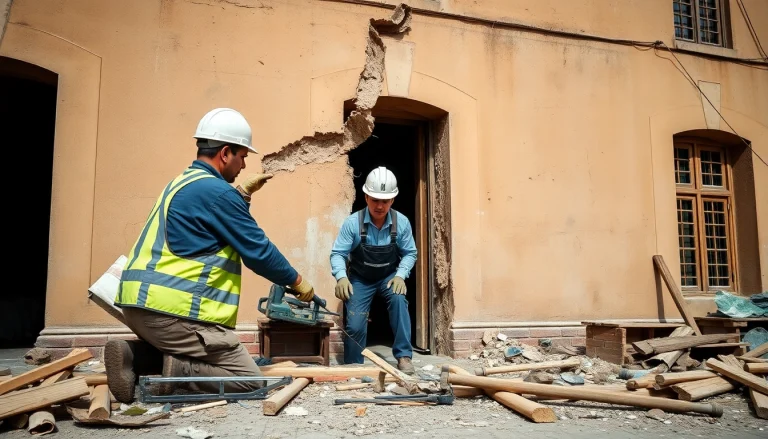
{"x":296,"y":411}
{"x":193,"y":433}
{"x":428,"y":367}
{"x":474,"y":357}
{"x":501,"y":336}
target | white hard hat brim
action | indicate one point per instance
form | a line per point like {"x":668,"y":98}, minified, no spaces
{"x":218,"y":143}
{"x":379,"y":195}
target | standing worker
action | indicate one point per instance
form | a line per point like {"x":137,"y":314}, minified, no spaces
{"x":180,"y":288}
{"x":379,"y":246}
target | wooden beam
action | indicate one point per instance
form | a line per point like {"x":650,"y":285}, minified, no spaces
{"x":29,"y":400}
{"x":736,"y":374}
{"x":584,"y":394}
{"x":742,"y":358}
{"x":100,"y":405}
{"x":532,"y":410}
{"x":277,"y":401}
{"x":668,"y":379}
{"x":402,"y":379}
{"x":321,"y":371}
{"x":562,"y":364}
{"x":756,"y":368}
{"x":760,"y":401}
{"x":277,"y":365}
{"x":757,"y":352}
{"x":700,"y":389}
{"x":45,"y":371}
{"x":643,"y":382}
{"x":668,"y":344}
{"x":677,"y":296}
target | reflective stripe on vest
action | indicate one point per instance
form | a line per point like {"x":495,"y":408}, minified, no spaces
{"x":205,"y":288}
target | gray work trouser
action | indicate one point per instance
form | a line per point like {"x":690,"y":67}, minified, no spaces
{"x":200,"y":349}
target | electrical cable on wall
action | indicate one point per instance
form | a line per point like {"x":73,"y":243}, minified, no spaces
{"x":751,"y":28}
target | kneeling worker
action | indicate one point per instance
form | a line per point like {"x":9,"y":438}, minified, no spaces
{"x":180,"y":288}
{"x":379,"y":246}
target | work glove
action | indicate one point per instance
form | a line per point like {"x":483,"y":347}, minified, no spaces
{"x":343,"y":289}
{"x":398,"y":285}
{"x":255,"y":182}
{"x":303,"y":289}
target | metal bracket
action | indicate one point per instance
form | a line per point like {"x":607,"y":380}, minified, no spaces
{"x":146,"y":397}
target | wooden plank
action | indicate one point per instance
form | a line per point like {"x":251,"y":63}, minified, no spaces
{"x":752,"y":360}
{"x":643,"y":382}
{"x":532,"y":410}
{"x":736,"y":374}
{"x":562,"y":364}
{"x":409,"y":383}
{"x":719,"y":345}
{"x":207,"y":405}
{"x":721,"y":324}
{"x":732,"y":319}
{"x":677,"y":296}
{"x":668,"y":379}
{"x":278,"y":400}
{"x":421,"y":237}
{"x":29,"y":400}
{"x":760,"y":402}
{"x":100,"y":403}
{"x":45,"y":371}
{"x":584,"y":394}
{"x":322,"y":371}
{"x":757,"y":352}
{"x":668,"y":344}
{"x":654,"y":325}
{"x":756,"y":368}
{"x":666,"y":360}
{"x":55,"y":378}
{"x":700,"y":389}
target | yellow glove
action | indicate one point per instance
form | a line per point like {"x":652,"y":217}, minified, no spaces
{"x":255,"y":182}
{"x":398,"y":285}
{"x":304,"y":290}
{"x":343,"y":289}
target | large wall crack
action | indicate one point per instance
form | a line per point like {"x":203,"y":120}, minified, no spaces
{"x":328,"y":147}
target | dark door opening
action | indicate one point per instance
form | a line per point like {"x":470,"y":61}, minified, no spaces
{"x":27,"y":124}
{"x":397,"y":147}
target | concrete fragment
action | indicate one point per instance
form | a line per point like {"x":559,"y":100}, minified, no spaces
{"x":37,"y":356}
{"x":296,"y":411}
{"x":656,"y":414}
{"x":501,"y":336}
{"x":488,"y":336}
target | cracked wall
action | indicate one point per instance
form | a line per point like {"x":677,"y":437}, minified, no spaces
{"x":328,"y":147}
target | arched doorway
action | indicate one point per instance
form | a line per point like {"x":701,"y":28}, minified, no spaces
{"x":27,"y":121}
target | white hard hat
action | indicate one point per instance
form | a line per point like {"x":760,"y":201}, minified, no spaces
{"x":225,"y":126}
{"x":381,"y":183}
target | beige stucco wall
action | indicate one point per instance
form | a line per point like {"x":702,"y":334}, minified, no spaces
{"x":561,"y":157}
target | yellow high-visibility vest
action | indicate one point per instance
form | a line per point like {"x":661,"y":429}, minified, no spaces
{"x":205,"y":288}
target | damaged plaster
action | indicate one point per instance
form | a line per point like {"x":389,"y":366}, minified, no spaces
{"x":5,"y":13}
{"x":328,"y":147}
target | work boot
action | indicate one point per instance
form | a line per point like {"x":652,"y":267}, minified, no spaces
{"x":127,"y":359}
{"x":121,"y":378}
{"x":405,"y":365}
{"x":172,"y":367}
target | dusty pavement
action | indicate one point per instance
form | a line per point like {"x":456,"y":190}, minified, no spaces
{"x":466,"y":418}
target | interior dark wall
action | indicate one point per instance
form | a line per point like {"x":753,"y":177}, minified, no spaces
{"x":396,"y":147}
{"x":27,"y":122}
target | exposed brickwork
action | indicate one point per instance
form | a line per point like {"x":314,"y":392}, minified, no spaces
{"x":466,"y":341}
{"x":606,"y":343}
{"x":246,"y":337}
{"x":54,"y":341}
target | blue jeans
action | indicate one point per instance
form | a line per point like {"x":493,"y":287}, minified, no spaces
{"x":356,"y":318}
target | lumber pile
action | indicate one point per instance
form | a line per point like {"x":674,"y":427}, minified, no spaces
{"x":27,"y":400}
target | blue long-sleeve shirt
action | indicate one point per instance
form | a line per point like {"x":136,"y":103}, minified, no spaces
{"x":209,"y":214}
{"x":349,"y":238}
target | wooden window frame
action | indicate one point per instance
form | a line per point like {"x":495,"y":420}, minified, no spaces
{"x":700,"y":194}
{"x":723,"y":19}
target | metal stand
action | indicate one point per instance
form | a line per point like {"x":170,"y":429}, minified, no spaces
{"x":146,"y":397}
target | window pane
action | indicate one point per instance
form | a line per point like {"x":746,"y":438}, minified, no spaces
{"x":687,"y":242}
{"x":712,"y":169}
{"x":682,"y":166}
{"x":715,"y":225}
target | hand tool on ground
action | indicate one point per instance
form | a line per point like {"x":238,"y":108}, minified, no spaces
{"x":446,"y":399}
{"x":288,"y":309}
{"x":146,"y":397}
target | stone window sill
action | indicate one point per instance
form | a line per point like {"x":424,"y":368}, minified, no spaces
{"x":706,"y":49}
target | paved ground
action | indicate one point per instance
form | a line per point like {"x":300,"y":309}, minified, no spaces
{"x":467,"y":418}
